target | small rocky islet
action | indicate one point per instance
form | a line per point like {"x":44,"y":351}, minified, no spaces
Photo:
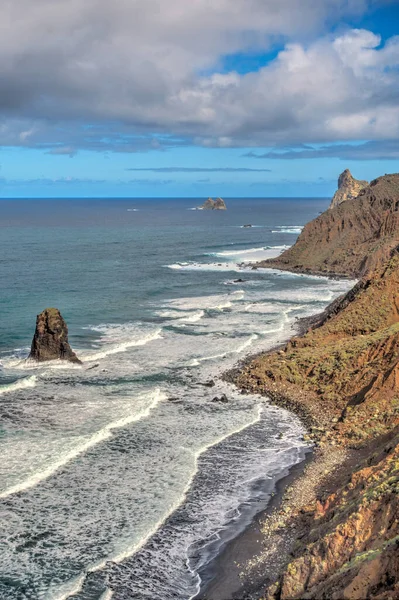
{"x":210,"y":204}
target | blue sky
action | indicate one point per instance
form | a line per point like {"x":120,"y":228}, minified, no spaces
{"x":182,"y":101}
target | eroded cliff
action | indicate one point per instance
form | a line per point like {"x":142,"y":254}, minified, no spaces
{"x":352,"y":239}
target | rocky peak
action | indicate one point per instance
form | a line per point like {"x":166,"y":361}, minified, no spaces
{"x":348,"y":188}
{"x":50,"y":341}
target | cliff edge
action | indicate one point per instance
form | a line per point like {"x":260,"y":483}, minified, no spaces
{"x":351,"y":239}
{"x":50,"y":341}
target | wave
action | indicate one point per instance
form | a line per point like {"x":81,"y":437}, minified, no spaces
{"x":132,"y":210}
{"x":194,"y":266}
{"x":196,"y":303}
{"x":100,"y":436}
{"x":118,"y":338}
{"x":26,"y":382}
{"x":76,"y":584}
{"x":237,"y":259}
{"x":235,"y":252}
{"x":238,"y":350}
{"x":289,"y":227}
{"x":287,"y":230}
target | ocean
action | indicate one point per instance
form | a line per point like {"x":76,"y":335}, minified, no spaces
{"x":123,"y":478}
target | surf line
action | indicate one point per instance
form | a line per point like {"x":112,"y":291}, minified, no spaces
{"x":98,"y":437}
{"x":20,"y":384}
{"x":76,"y":584}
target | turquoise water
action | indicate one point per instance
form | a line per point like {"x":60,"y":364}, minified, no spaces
{"x":122,"y":478}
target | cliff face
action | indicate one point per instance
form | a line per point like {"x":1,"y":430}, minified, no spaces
{"x":351,"y":239}
{"x":348,"y":188}
{"x":352,"y":549}
{"x":50,"y":341}
{"x":344,"y":373}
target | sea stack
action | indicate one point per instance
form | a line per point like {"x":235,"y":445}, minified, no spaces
{"x":348,"y":188}
{"x":218,"y":204}
{"x":50,"y":341}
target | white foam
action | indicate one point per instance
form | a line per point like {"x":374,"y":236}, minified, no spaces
{"x":100,"y":436}
{"x":193,"y":318}
{"x":119,"y":338}
{"x":284,"y":227}
{"x":252,"y":254}
{"x":129,"y":551}
{"x":28,"y":364}
{"x":288,"y":230}
{"x":236,"y":259}
{"x":132,"y":210}
{"x":26,"y":382}
{"x":217,"y":302}
{"x":203,"y":267}
{"x":248,"y":342}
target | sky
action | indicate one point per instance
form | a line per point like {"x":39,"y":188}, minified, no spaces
{"x":170,"y":98}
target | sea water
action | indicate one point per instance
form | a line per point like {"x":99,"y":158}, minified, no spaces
{"x":122,"y":478}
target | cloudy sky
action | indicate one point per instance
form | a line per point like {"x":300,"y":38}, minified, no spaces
{"x":196,"y":98}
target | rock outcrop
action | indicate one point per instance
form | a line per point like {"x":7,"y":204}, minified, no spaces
{"x":217,"y":204}
{"x":352,"y":239}
{"x":344,"y":374}
{"x":50,"y":341}
{"x":348,"y":188}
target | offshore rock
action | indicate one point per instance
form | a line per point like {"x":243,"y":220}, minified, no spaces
{"x":217,"y":204}
{"x":50,"y":341}
{"x":348,"y":188}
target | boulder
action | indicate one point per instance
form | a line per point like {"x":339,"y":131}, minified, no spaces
{"x":50,"y":341}
{"x":223,"y":399}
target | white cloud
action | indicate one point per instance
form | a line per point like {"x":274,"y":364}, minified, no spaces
{"x":132,"y":69}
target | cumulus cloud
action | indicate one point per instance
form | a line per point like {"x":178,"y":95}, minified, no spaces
{"x":128,"y":76}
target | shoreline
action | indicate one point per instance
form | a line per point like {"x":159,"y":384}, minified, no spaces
{"x":223,"y":574}
{"x":239,"y":571}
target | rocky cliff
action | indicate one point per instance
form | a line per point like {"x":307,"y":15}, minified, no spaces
{"x":348,"y":188}
{"x":342,"y":376}
{"x":351,"y":239}
{"x":50,"y":341}
{"x":218,"y":204}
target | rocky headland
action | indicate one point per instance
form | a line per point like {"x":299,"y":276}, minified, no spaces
{"x":210,"y":204}
{"x":351,"y":239}
{"x":336,"y":533}
{"x":50,"y":341}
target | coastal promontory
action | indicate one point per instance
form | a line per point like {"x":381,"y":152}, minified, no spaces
{"x":50,"y":341}
{"x":352,"y":238}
